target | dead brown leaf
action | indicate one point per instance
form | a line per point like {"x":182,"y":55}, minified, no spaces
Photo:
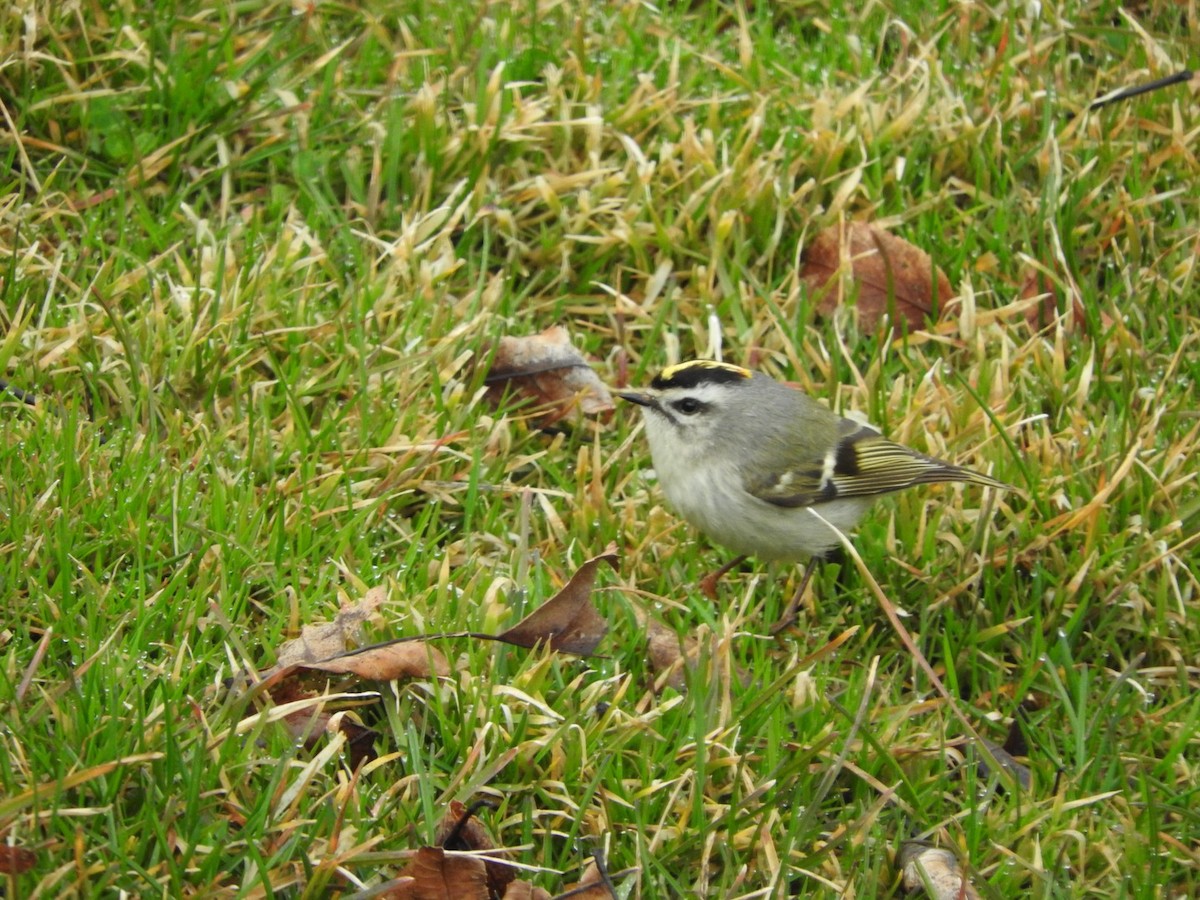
{"x":1037,"y":283}
{"x":935,"y":869}
{"x":398,"y":888}
{"x":1005,"y":756}
{"x":523,"y":890}
{"x":1019,"y":771}
{"x":325,"y":640}
{"x":592,"y":891}
{"x":466,"y":865}
{"x":310,"y":723}
{"x":893,"y":277}
{"x":16,"y":860}
{"x":593,"y":885}
{"x":547,"y":369}
{"x":327,"y":647}
{"x":460,"y":829}
{"x":598,"y":883}
{"x":567,"y":622}
{"x":309,"y":726}
{"x":322,"y":647}
{"x":670,"y":657}
{"x":382,"y":662}
{"x":436,"y":875}
{"x":402,"y":658}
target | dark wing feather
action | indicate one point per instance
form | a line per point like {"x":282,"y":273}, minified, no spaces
{"x":863,"y":464}
{"x":869,"y":464}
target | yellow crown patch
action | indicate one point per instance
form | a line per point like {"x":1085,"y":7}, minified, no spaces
{"x":672,"y":372}
{"x":700,"y":371}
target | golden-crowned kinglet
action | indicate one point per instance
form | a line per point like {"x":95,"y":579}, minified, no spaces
{"x":747,"y":460}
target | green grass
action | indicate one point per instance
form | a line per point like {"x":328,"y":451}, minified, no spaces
{"x":253,"y":260}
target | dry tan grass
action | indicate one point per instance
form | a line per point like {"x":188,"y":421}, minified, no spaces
{"x":251,"y":262}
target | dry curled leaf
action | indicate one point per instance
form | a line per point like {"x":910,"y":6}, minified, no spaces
{"x":327,"y":647}
{"x":322,"y":647}
{"x":402,"y":658}
{"x":16,"y":860}
{"x":523,"y":890}
{"x":312,"y":721}
{"x":1006,"y":755}
{"x":547,"y":369}
{"x":567,"y":622}
{"x":1037,"y":285}
{"x":324,"y":640}
{"x":383,"y":662}
{"x":936,"y":870}
{"x":590,"y":891}
{"x":433,"y":874}
{"x":460,"y":829}
{"x":672,"y":657}
{"x":669,"y":655}
{"x":1019,"y":771}
{"x":591,"y":886}
{"x":892,"y":276}
{"x":596,"y":883}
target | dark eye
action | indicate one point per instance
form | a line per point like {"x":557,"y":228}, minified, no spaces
{"x":689,"y":406}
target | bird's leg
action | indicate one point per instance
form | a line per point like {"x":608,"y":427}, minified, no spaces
{"x":788,"y":619}
{"x":708,"y":584}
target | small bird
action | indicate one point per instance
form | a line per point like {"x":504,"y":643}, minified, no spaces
{"x":748,"y":460}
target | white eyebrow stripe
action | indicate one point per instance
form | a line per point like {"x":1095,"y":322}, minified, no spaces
{"x":705,"y":393}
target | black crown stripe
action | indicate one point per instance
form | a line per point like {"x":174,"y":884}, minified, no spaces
{"x":697,"y":372}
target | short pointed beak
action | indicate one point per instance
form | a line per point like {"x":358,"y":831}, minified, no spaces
{"x":636,"y":397}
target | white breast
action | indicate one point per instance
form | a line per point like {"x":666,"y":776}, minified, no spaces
{"x":710,"y":496}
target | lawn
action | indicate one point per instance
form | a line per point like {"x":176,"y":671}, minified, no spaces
{"x":256,"y":260}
